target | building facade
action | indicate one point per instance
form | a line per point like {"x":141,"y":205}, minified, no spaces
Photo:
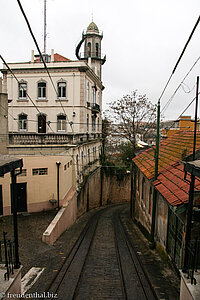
{"x":54,"y":119}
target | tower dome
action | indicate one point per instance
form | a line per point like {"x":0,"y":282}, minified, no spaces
{"x":92,"y":28}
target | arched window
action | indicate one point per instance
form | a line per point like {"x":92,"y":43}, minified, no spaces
{"x":89,"y":49}
{"x":42,"y":90}
{"x":22,"y":122}
{"x":22,"y":90}
{"x":42,"y":123}
{"x":88,"y":92}
{"x":61,"y":123}
{"x":97,"y":49}
{"x":62,"y":90}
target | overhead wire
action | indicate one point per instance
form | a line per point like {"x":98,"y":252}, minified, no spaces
{"x":42,"y":58}
{"x":176,"y":90}
{"x":26,"y":92}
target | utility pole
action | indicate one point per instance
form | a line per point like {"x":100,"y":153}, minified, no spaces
{"x":156,"y":156}
{"x":45,"y":25}
{"x":191,"y":191}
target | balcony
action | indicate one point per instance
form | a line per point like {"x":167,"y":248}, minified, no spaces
{"x":28,"y":138}
{"x":95,"y":107}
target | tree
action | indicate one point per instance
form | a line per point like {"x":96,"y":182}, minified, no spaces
{"x":133,"y":115}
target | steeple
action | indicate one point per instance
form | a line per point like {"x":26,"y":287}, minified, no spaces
{"x":92,"y":48}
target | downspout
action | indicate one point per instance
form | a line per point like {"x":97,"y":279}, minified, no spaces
{"x":58,"y":184}
{"x":153,"y":221}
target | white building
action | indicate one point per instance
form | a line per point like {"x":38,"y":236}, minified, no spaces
{"x":55,"y":118}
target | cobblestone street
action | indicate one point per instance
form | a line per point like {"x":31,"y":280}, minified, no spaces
{"x":100,"y":276}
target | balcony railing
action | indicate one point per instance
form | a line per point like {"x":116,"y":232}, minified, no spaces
{"x":95,"y":107}
{"x":193,"y":259}
{"x":49,"y":138}
{"x":85,"y":55}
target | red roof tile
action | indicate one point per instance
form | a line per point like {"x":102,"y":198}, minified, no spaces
{"x":170,"y":181}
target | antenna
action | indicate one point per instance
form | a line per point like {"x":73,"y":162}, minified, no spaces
{"x":45,"y":25}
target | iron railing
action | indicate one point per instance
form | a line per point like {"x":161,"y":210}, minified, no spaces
{"x":193,"y":262}
{"x":7,"y":255}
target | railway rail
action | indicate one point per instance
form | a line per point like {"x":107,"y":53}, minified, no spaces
{"x":102,"y":264}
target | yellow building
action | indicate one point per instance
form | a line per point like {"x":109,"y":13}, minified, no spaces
{"x":184,"y":123}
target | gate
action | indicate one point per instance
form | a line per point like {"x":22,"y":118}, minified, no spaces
{"x":175,"y":236}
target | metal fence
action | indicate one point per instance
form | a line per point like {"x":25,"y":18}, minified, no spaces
{"x":193,"y":259}
{"x":7,"y":256}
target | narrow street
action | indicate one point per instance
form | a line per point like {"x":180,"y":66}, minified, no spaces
{"x":103,"y":264}
{"x":99,"y":257}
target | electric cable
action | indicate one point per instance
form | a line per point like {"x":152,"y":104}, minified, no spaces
{"x":42,"y":58}
{"x":26,"y":92}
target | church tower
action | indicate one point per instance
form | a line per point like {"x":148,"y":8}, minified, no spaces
{"x":92,"y":48}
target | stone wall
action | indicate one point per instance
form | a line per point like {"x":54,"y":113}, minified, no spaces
{"x":110,"y":189}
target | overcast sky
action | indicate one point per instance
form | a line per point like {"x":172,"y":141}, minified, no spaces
{"x":142,"y":42}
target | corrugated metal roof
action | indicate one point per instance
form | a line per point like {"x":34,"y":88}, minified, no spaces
{"x":170,"y":181}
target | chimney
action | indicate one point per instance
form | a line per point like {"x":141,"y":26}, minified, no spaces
{"x":52,"y":55}
{"x":32,"y":56}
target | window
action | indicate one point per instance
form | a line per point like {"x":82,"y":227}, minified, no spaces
{"x":98,"y":98}
{"x":87,"y":122}
{"x":22,"y":122}
{"x":23,"y":173}
{"x":97,"y":49}
{"x":93,"y":123}
{"x":88,"y":92}
{"x":42,"y":90}
{"x":22,"y":90}
{"x":62,"y":90}
{"x":40,"y":171}
{"x":61,"y":123}
{"x":88,"y":155}
{"x":98,"y":124}
{"x":82,"y":158}
{"x":93,"y":95}
{"x":89,"y":49}
{"x":77,"y":164}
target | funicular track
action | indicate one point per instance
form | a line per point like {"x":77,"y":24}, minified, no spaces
{"x":134,"y":280}
{"x":72,"y":282}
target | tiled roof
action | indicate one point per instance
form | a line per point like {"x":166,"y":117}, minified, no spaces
{"x":170,"y":181}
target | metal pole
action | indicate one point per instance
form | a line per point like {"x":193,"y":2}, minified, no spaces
{"x":152,"y":242}
{"x":14,"y":203}
{"x":191,"y":192}
{"x":45,"y":25}
{"x":58,"y":183}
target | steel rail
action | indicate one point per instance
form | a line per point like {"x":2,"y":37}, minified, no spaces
{"x":141,"y":272}
{"x":56,"y":282}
